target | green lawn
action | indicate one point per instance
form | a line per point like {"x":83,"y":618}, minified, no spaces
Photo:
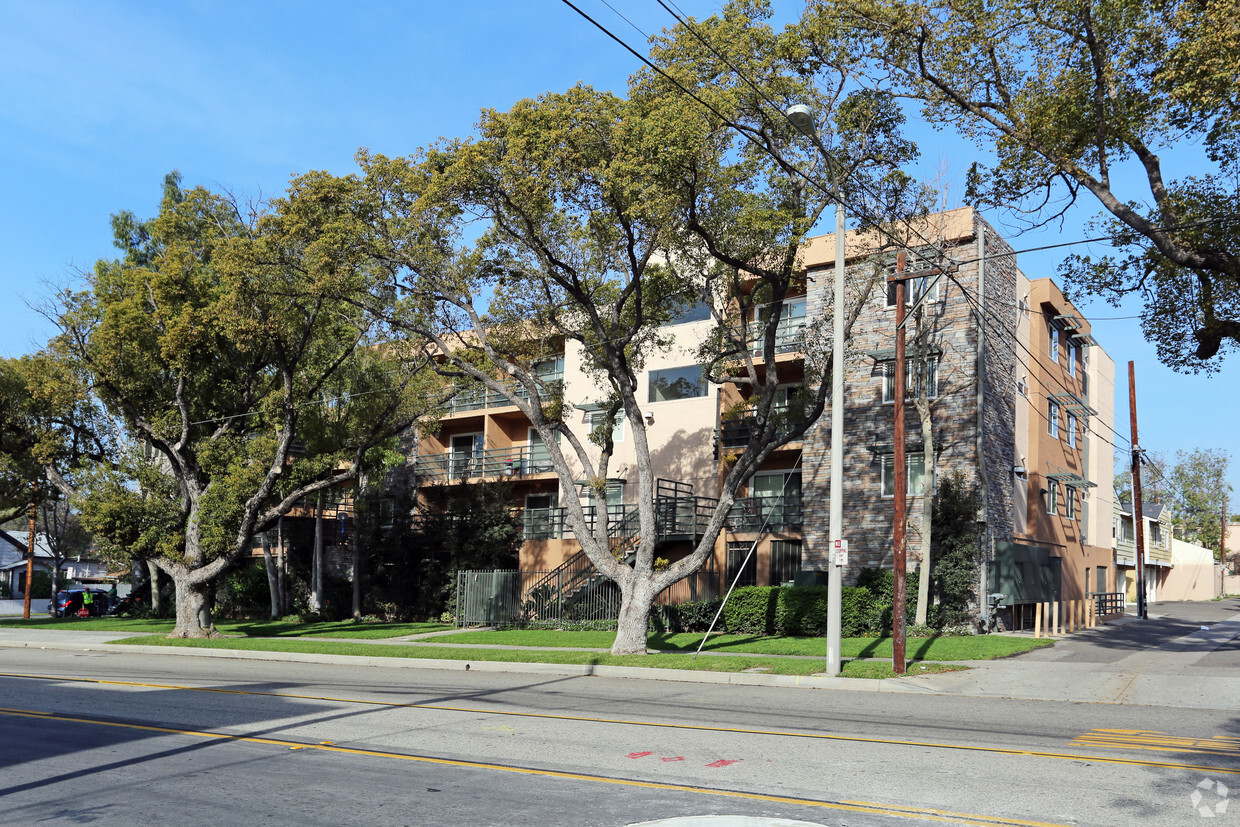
{"x":705,"y":663}
{"x":970,"y":647}
{"x":248,"y":628}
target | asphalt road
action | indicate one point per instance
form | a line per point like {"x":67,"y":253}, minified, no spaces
{"x":147,"y":739}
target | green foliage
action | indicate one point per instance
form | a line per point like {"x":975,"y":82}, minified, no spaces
{"x":243,"y":592}
{"x":1197,"y":491}
{"x":957,"y":550}
{"x":1070,"y":98}
{"x":778,"y":610}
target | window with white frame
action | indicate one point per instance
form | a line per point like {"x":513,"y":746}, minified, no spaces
{"x":1052,"y":418}
{"x":598,"y":418}
{"x":1052,"y":497}
{"x":913,"y":288}
{"x":1052,"y":330}
{"x":916,"y":466}
{"x":1073,"y":350}
{"x":1071,"y":429}
{"x":928,"y":378}
{"x":1070,"y":503}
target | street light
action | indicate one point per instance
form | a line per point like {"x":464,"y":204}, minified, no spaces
{"x":802,"y":118}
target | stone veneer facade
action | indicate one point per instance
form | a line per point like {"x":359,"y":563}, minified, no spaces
{"x":953,"y":323}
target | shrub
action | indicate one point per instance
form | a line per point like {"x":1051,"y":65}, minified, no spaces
{"x":801,"y":611}
{"x":696,"y":615}
{"x":751,"y":610}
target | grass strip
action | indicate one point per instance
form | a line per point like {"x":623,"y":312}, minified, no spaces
{"x":968,"y":647}
{"x":249,"y":628}
{"x":704,"y":663}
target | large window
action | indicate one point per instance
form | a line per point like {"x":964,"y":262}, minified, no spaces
{"x":676,"y":383}
{"x":1052,"y":418}
{"x":785,"y":560}
{"x":595,"y":419}
{"x":1071,"y":429}
{"x":697,"y":312}
{"x":738,"y":551}
{"x":916,"y":464}
{"x":928,"y":378}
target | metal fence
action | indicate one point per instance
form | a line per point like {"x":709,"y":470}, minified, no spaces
{"x":554,"y":599}
{"x":1108,"y":603}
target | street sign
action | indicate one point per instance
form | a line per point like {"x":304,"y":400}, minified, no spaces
{"x":839,"y":552}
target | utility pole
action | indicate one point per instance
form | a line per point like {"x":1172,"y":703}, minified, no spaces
{"x":900,"y":481}
{"x":1222,"y":546}
{"x":30,"y":564}
{"x":1136,"y":492}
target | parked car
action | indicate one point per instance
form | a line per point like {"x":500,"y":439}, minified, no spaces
{"x":69,"y":602}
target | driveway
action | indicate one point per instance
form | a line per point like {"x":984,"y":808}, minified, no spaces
{"x":1184,"y":654}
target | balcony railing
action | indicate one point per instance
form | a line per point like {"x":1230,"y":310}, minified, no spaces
{"x":498,"y":462}
{"x":733,"y":434}
{"x":473,"y":397}
{"x":789,"y":336}
{"x":774,"y":513}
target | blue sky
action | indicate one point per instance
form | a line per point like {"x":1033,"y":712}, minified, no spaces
{"x":102,"y":99}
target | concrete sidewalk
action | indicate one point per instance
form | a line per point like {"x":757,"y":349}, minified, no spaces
{"x":1185,"y":654}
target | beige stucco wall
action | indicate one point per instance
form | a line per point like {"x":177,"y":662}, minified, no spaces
{"x":1192,"y":576}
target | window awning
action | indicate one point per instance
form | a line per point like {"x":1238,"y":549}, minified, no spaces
{"x":1072,"y":403}
{"x":1069,"y":479}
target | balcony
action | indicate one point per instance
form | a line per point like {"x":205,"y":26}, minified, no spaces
{"x":733,"y":434}
{"x":789,"y":336}
{"x":752,"y":515}
{"x":501,"y":462}
{"x":475,"y":397}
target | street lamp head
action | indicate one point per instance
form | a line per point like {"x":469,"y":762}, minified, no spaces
{"x":802,"y":118}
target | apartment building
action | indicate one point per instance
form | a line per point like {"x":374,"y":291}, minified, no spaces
{"x":1020,"y":401}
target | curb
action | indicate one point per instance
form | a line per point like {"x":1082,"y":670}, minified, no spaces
{"x":557,"y":669}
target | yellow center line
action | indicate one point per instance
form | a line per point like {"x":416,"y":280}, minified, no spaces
{"x":661,"y":725}
{"x":901,"y":811}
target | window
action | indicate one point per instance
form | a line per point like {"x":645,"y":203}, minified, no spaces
{"x":929,"y":380}
{"x":1052,"y":419}
{"x":1070,"y":503}
{"x":1052,"y":497}
{"x":542,"y":517}
{"x":913,"y":288}
{"x":789,"y":330}
{"x":1071,"y":423}
{"x":916,"y":474}
{"x":676,"y":383}
{"x":1073,"y":350}
{"x":741,"y":562}
{"x":1022,"y":386}
{"x":1053,"y":332}
{"x":785,"y":560}
{"x":597,"y":418}
{"x":699,"y":311}
{"x":776,"y":499}
{"x":387,"y":513}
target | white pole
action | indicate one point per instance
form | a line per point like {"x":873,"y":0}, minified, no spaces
{"x":835,"y":592}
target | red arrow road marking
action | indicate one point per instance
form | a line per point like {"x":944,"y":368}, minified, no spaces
{"x":677,"y":758}
{"x":722,"y":762}
{"x":639,"y":754}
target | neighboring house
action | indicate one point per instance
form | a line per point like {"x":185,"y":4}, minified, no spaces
{"x":81,"y":570}
{"x":13,"y":560}
{"x":1033,"y":430}
{"x":1158,"y":545}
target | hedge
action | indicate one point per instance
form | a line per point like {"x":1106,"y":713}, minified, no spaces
{"x":788,"y":610}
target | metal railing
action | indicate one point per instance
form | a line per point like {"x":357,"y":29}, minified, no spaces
{"x":473,"y":397}
{"x":789,"y":335}
{"x":780,"y":513}
{"x":734,"y":433}
{"x":1108,"y":603}
{"x":493,"y":462}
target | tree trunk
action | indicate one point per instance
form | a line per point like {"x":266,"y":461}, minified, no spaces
{"x":634,"y":623}
{"x":156,"y":602}
{"x":273,"y":585}
{"x":282,"y":570}
{"x":193,"y":609}
{"x":357,"y":574}
{"x":316,"y":573}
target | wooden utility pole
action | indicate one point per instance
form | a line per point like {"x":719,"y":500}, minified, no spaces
{"x":30,"y":565}
{"x":900,"y":481}
{"x":1136,"y":492}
